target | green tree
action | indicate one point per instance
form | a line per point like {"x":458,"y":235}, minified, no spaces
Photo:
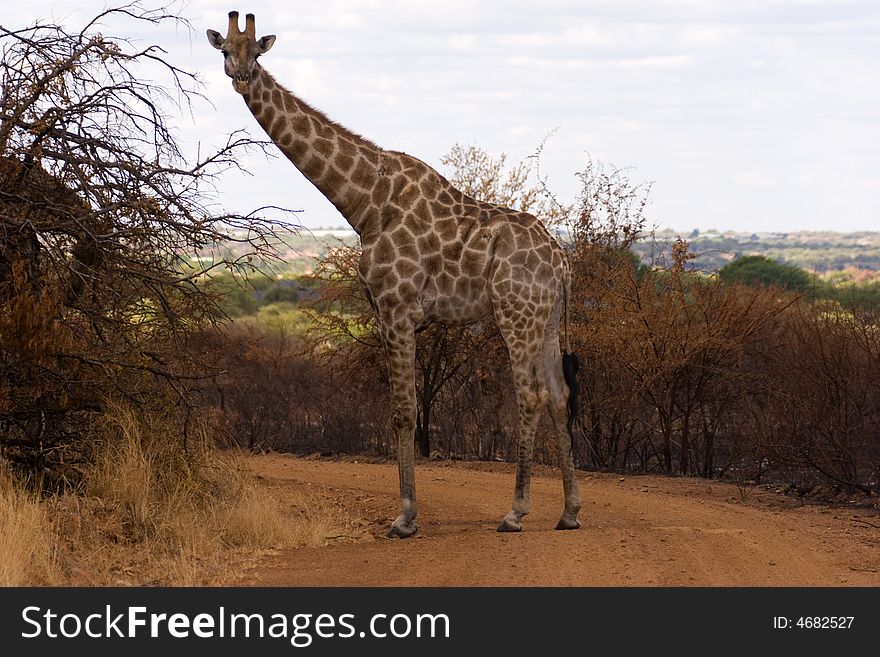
{"x":760,"y":270}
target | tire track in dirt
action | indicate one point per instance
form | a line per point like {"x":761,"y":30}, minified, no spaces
{"x":637,"y":531}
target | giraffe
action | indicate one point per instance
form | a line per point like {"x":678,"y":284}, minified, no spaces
{"x":430,"y":254}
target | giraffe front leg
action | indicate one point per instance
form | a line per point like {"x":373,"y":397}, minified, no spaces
{"x":404,"y":428}
{"x":401,"y":363}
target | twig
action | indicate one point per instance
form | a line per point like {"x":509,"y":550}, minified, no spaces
{"x":865,"y":522}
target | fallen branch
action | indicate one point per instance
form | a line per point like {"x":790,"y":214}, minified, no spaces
{"x":865,"y":522}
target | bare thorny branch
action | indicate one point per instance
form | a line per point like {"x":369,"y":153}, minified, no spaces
{"x":102,"y":214}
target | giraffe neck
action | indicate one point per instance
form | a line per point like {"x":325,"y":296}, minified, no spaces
{"x":342,"y":165}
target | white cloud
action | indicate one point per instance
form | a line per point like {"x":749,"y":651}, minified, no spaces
{"x":758,"y":179}
{"x":709,"y":34}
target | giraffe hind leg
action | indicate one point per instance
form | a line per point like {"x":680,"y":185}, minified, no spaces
{"x":562,"y":414}
{"x":522,"y":336}
{"x":531,"y":399}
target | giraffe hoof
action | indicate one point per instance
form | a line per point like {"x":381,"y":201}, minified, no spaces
{"x":568,"y":523}
{"x":403,"y":530}
{"x":508,"y":525}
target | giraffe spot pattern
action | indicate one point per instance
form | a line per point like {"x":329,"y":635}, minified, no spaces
{"x":363,"y":174}
{"x":301,"y":126}
{"x":333,"y":179}
{"x":313,"y":167}
{"x":323,"y":146}
{"x":299,"y":149}
{"x":344,"y":162}
{"x":347,"y":147}
{"x":381,"y":192}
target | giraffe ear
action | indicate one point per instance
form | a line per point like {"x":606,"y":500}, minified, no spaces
{"x":265,"y":43}
{"x":215,"y":39}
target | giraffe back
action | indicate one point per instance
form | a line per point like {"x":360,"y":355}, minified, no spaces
{"x":428,"y":245}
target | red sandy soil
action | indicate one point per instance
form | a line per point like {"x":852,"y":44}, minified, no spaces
{"x":636,"y":531}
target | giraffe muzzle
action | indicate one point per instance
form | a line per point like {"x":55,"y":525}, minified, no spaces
{"x":241,"y":83}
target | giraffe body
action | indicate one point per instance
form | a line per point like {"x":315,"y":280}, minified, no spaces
{"x":430,"y":254}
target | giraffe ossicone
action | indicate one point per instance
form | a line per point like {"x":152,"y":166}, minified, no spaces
{"x":430,"y":254}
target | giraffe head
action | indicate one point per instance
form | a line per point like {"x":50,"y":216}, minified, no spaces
{"x":240,"y":50}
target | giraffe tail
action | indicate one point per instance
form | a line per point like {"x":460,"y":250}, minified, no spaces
{"x":570,"y":367}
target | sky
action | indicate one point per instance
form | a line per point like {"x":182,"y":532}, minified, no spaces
{"x":756,"y":116}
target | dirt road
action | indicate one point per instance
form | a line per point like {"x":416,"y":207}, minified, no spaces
{"x":636,"y":531}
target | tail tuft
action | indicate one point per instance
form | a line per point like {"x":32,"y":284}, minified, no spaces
{"x":570,"y":367}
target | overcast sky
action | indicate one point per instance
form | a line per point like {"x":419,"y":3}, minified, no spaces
{"x":748,"y":115}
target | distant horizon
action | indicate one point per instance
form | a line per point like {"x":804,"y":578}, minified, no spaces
{"x":820,"y":251}
{"x":347,"y":228}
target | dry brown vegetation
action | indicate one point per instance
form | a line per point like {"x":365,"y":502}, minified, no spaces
{"x":98,"y":205}
{"x":148,"y":513}
{"x":28,"y":544}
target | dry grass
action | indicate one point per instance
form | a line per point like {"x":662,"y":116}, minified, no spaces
{"x":27,"y":538}
{"x":150,"y":512}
